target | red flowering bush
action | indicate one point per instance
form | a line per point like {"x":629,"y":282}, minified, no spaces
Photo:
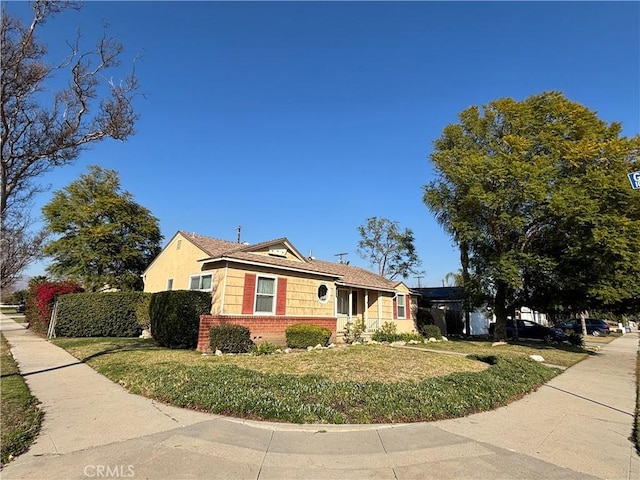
{"x":40,"y":302}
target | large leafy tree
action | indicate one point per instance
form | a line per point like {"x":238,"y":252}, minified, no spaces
{"x":537,"y":193}
{"x":41,"y":128}
{"x":102,"y":236}
{"x":388,"y":248}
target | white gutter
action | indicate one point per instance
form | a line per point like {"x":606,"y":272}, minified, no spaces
{"x":268,"y":265}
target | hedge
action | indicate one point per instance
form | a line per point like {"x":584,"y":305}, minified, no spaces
{"x":114,"y":314}
{"x":175,"y":317}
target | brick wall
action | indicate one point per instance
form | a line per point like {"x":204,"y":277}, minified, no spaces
{"x":263,"y":329}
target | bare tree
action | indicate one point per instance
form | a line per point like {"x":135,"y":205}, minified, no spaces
{"x":20,"y":247}
{"x":388,"y":248}
{"x":42,"y":130}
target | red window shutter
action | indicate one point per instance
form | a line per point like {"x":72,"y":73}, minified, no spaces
{"x":281,"y":297}
{"x":407,"y":311}
{"x":395,"y":307}
{"x":249,"y":292}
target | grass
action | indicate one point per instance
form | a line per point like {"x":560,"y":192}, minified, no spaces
{"x":602,"y":339}
{"x":555,"y":354}
{"x":364,"y":384}
{"x":21,"y":418}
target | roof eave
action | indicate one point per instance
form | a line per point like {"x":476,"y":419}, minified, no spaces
{"x":267,"y":265}
{"x":366,"y":287}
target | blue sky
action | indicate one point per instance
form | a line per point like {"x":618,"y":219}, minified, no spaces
{"x":302,"y":119}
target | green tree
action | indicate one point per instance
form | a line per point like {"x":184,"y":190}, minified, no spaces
{"x":538,"y":192}
{"x":388,"y":248}
{"x":102,"y":237}
{"x":42,"y":129}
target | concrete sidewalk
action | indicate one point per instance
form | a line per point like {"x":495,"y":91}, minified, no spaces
{"x":575,"y":427}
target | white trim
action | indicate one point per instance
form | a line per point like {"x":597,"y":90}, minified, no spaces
{"x":404,"y":305}
{"x":348,"y":313}
{"x":224,"y":288}
{"x":200,"y":282}
{"x":362,"y":287}
{"x":365,"y":314}
{"x":328,"y":296}
{"x":275,"y":294}
{"x":268,"y":265}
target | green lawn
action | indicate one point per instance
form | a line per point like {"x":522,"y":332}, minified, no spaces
{"x":21,"y":418}
{"x":563,"y":355}
{"x":363,"y":384}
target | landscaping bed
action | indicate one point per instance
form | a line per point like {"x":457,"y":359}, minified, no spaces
{"x":358,"y":384}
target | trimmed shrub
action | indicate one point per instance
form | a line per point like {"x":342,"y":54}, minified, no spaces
{"x":431,"y":331}
{"x":303,"y":335}
{"x":175,"y":317}
{"x":112,"y":314}
{"x":230,"y":339}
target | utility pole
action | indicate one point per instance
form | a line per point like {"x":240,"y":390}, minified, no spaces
{"x":418,"y":278}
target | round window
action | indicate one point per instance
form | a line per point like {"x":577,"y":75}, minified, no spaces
{"x":323,"y":293}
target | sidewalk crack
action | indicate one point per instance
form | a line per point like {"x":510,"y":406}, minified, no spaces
{"x":266,"y":452}
{"x":386,"y":454}
{"x":155,"y":405}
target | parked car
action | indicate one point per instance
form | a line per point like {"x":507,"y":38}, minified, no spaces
{"x":532,"y":330}
{"x":595,"y":326}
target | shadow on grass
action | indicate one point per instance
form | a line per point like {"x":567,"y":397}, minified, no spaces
{"x":130,"y":346}
{"x":537,"y":344}
{"x":134,"y":345}
{"x":120,"y":346}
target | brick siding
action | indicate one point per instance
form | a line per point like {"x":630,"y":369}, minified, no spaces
{"x":263,"y":329}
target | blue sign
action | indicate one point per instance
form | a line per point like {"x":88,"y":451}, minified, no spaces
{"x":634,"y":178}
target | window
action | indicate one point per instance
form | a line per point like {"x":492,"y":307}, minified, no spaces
{"x":265,"y":294}
{"x":402,"y":305}
{"x":343,"y":302}
{"x":323,"y":293}
{"x":200,"y":282}
{"x":170,"y":284}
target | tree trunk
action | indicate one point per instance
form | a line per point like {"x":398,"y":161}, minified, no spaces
{"x":500,"y":310}
{"x":583,"y":315}
{"x":464,"y":261}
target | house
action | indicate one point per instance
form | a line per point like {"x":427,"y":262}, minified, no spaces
{"x":450,"y":300}
{"x":271,"y":285}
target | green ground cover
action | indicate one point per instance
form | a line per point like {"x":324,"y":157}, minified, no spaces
{"x":21,"y":418}
{"x":362,"y":384}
